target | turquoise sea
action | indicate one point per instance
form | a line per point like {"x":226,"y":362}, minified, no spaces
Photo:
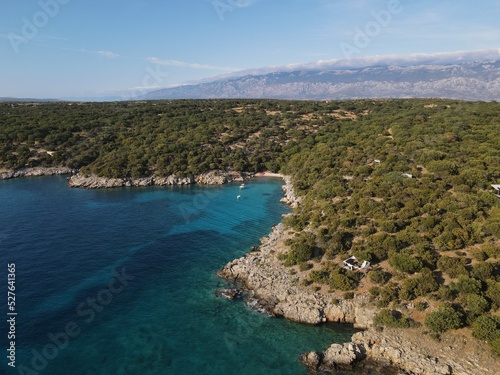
{"x":123,"y":281}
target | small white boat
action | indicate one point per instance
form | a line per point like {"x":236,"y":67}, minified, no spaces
{"x":242,"y":186}
{"x":238,"y":196}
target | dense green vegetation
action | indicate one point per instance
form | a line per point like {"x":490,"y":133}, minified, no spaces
{"x":432,"y":237}
{"x":129,"y":139}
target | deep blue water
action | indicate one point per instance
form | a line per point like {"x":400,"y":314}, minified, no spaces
{"x":160,"y":314}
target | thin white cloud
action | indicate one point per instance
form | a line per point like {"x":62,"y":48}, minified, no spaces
{"x":244,"y":3}
{"x":361,"y":62}
{"x":106,"y":54}
{"x":234,"y":3}
{"x":152,"y":87}
{"x":16,"y":38}
{"x":182,"y":64}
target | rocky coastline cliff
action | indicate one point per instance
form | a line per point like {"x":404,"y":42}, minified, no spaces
{"x":278,"y":292}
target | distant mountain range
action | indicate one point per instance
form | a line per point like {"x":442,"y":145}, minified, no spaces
{"x":478,"y":80}
{"x":30,"y":100}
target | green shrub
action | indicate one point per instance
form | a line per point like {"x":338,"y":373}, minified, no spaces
{"x":300,"y":253}
{"x":493,"y":293}
{"x":364,"y":254}
{"x":452,"y":266}
{"x":393,"y":319}
{"x":428,"y":255}
{"x":467,"y":284}
{"x":303,"y":248}
{"x":379,"y":276}
{"x":407,"y":292}
{"x":445,"y":293}
{"x":480,"y":256}
{"x":483,"y":271}
{"x":304,"y":266}
{"x":492,"y":251}
{"x":492,"y":227}
{"x":421,"y":306}
{"x":388,"y":294}
{"x":320,"y":277}
{"x":419,"y":285}
{"x":378,"y":246}
{"x":486,"y":328}
{"x":306,"y":282}
{"x":340,"y":242}
{"x":348,"y":295}
{"x":476,"y":304}
{"x":405,"y":263}
{"x":495,"y":346}
{"x":343,"y":280}
{"x":426,"y":283}
{"x":388,"y":226}
{"x":444,"y":319}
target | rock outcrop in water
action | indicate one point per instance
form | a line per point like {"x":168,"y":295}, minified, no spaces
{"x":38,"y":171}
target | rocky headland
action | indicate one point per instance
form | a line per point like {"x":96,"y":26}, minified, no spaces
{"x":405,"y":351}
{"x":209,"y":178}
{"x":277,"y":291}
{"x":35,"y":172}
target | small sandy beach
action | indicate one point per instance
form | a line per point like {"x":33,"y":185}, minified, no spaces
{"x":268,"y":174}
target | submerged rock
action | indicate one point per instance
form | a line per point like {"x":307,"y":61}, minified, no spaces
{"x":230,"y":294}
{"x":311,"y":360}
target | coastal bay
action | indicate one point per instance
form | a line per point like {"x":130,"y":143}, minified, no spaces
{"x":167,"y":243}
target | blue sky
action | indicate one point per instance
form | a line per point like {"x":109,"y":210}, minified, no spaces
{"x":91,"y":48}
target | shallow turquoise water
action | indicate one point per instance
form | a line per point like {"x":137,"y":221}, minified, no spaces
{"x":160,"y":316}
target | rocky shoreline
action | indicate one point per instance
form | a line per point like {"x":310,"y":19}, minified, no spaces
{"x":290,"y":197}
{"x":278,"y":292}
{"x":404,"y":351}
{"x":209,"y":178}
{"x":36,"y":172}
{"x":78,"y":180}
